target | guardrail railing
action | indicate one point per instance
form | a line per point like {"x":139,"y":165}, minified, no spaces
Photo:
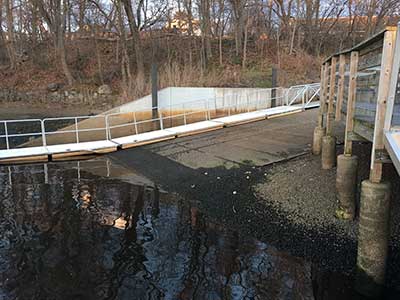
{"x":210,"y":108}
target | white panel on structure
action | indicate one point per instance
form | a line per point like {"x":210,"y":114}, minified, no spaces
{"x":193,"y":128}
{"x":392,"y":144}
{"x":92,"y":147}
{"x":23,"y":152}
{"x":144,"y":138}
{"x":241,"y":118}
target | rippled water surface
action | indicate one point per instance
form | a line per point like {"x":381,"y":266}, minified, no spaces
{"x":96,"y":231}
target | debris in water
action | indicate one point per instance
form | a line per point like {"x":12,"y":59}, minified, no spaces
{"x":205,"y":173}
{"x":234,"y":210}
{"x":234,"y":192}
{"x":193,"y":186}
{"x":247,"y":177}
{"x":218,"y":178}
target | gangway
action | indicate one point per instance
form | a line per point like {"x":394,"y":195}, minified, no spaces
{"x":111,"y":131}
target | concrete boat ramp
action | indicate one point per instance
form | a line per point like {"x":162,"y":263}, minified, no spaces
{"x":123,"y":128}
{"x":71,"y":150}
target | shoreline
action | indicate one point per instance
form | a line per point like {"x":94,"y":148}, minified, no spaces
{"x":17,"y":110}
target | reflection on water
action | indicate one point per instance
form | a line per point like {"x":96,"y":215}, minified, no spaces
{"x":69,"y":234}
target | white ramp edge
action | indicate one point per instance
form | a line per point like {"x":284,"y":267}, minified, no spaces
{"x":82,"y":148}
{"x":392,"y":144}
{"x":144,"y":138}
{"x":23,"y":152}
{"x":193,"y":128}
{"x":281,"y":110}
{"x":242,"y":118}
{"x":63,"y":151}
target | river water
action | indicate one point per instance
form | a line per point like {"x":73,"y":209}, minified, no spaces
{"x":94,"y":230}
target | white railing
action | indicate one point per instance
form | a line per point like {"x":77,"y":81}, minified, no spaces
{"x":230,"y":104}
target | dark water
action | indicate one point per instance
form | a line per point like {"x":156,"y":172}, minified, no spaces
{"x":66,"y":233}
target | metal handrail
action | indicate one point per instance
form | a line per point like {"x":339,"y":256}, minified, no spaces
{"x":207,"y":109}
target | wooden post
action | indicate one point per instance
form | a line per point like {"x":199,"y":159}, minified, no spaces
{"x":274,"y":81}
{"x":383,"y":93}
{"x":154,"y":90}
{"x":332,"y":80}
{"x":321,"y":98}
{"x":325,"y":91}
{"x":393,"y":82}
{"x":340,"y":92}
{"x":351,"y":103}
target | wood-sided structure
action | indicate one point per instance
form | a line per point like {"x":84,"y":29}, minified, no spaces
{"x":360,"y":86}
{"x":355,"y":87}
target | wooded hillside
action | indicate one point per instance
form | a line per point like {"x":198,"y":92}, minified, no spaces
{"x":87,"y":43}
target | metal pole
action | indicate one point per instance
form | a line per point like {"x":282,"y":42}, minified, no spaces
{"x":43,"y":133}
{"x":135,"y":122}
{"x":76,"y":130}
{"x":6,"y":132}
{"x":274,"y":82}
{"x":184,"y":114}
{"x":154,"y":90}
{"x":161,"y":121}
{"x":107,"y":128}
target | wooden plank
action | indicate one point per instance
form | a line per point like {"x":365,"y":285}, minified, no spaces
{"x":322,"y":98}
{"x":363,"y":130}
{"x":393,"y":82}
{"x":351,"y":103}
{"x":325,"y":91}
{"x":383,"y":93}
{"x":340,"y":92}
{"x":332,"y":81}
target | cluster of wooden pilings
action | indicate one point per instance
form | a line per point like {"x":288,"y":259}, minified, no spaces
{"x":366,"y":120}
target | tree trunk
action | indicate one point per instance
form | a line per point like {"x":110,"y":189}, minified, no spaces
{"x":82,"y":9}
{"x":136,"y":42}
{"x":10,"y":33}
{"x":245,"y":43}
{"x":125,"y":66}
{"x":60,"y":36}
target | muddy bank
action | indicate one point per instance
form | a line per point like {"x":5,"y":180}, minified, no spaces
{"x":14,"y":110}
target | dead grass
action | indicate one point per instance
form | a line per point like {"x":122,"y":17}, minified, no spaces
{"x":175,"y":70}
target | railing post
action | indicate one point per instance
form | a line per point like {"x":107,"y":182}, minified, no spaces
{"x":107,"y":128}
{"x":184,"y":113}
{"x":135,"y":122}
{"x":161,"y":120}
{"x":287,"y":96}
{"x":208,"y":110}
{"x":206,"y":107}
{"x":43,"y":133}
{"x":76,"y":130}
{"x":6,"y":133}
{"x":229,"y":107}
